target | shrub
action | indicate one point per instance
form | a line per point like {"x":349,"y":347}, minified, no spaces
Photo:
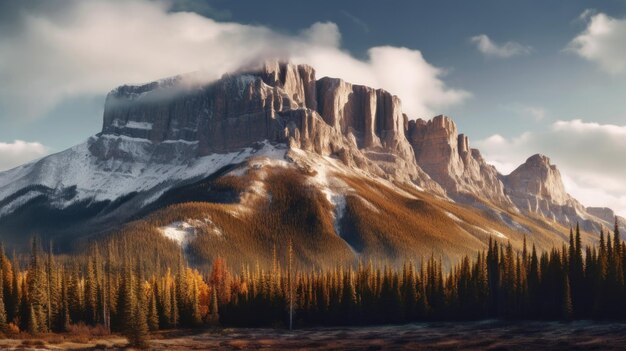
{"x":82,"y":331}
{"x":13,"y":329}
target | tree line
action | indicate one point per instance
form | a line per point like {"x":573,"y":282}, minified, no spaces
{"x":121,"y":293}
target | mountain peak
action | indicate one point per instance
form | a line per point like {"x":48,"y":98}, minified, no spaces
{"x":537,"y":187}
{"x":446,"y":156}
{"x":539,"y":160}
{"x":538,"y":177}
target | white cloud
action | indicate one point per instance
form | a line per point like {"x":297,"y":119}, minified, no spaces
{"x":401,"y":71}
{"x":602,"y":42}
{"x":491,"y":49}
{"x":19,"y":152}
{"x":94,"y":46}
{"x":589,"y":155}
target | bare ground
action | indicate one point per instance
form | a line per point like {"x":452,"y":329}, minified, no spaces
{"x":486,"y":335}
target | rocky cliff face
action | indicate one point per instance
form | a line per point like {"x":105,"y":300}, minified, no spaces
{"x":537,"y":178}
{"x":537,"y":187}
{"x":446,"y":156}
{"x":603,"y":213}
{"x":278,"y":102}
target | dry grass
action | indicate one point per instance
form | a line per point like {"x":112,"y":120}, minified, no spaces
{"x":380,"y":223}
{"x":293,"y":210}
{"x":82,"y":330}
{"x":402,"y":227}
{"x":545,"y":234}
{"x":296,"y":211}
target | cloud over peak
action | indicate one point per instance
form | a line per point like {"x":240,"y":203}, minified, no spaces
{"x":93,"y":46}
{"x":491,"y":49}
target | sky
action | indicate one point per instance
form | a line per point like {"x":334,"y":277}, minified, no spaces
{"x":518,"y":77}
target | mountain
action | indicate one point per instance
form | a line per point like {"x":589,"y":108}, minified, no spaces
{"x":536,"y":187}
{"x":270,"y":154}
{"x":446,"y":156}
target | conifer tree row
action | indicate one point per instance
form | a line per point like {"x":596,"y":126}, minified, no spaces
{"x":49,"y":293}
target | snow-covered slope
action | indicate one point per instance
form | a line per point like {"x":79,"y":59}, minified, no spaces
{"x":103,"y":183}
{"x":76,"y":175}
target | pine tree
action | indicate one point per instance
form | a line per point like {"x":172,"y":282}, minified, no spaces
{"x":290,"y":283}
{"x":3,"y":314}
{"x":534,"y":282}
{"x":349,"y":298}
{"x":196,"y":317}
{"x":165,"y":301}
{"x":567,"y":309}
{"x":153,"y":317}
{"x":33,"y":321}
{"x":602,"y":256}
{"x":109,"y":292}
{"x":133,"y":308}
{"x":138,"y":334}
{"x":183,"y":291}
{"x":74,"y":299}
{"x":91,"y":293}
{"x":23,"y":315}
{"x":140,"y":319}
{"x":409,"y":291}
{"x":617,"y":240}
{"x":214,"y":316}
{"x":52,"y":304}
{"x":174,"y":312}
{"x":11,"y":289}
{"x":127,"y":300}
{"x":37,"y":289}
{"x":65,"y":304}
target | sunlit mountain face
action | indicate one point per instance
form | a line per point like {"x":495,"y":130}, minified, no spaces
{"x":340,"y":173}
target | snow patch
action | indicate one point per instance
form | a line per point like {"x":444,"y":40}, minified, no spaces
{"x":18,"y":202}
{"x":243,"y":81}
{"x":138,"y":125}
{"x":180,"y":232}
{"x":419,"y":188}
{"x":267,"y":155}
{"x":179,"y":141}
{"x":334,"y":189}
{"x":97,"y":179}
{"x":183,"y":232}
{"x":491,"y":232}
{"x":453,"y":217}
{"x":511,"y":223}
{"x":339,"y":202}
{"x":125,"y":138}
{"x":132,"y":124}
{"x":498,"y":234}
{"x":257,"y":188}
{"x":368,"y":204}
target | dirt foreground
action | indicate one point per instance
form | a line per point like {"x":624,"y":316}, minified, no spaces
{"x":486,"y":335}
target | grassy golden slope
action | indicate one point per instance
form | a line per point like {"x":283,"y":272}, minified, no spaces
{"x":381,"y":221}
{"x":252,"y":229}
